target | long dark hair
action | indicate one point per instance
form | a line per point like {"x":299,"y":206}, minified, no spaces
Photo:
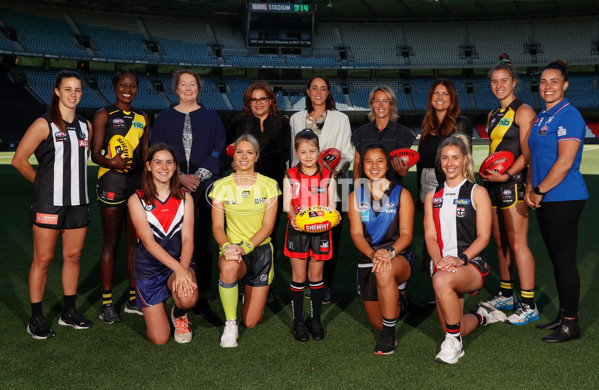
{"x":307,"y":135}
{"x":147,"y":182}
{"x":330,"y":102}
{"x":260,"y":86}
{"x":375,"y":146}
{"x":448,"y":124}
{"x":55,"y":114}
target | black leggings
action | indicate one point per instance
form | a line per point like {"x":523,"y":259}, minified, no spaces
{"x":558,"y":222}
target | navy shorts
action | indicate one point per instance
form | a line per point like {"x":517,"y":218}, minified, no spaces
{"x":59,"y":217}
{"x":150,"y":292}
{"x":367,"y":279}
{"x":259,"y":267}
{"x":505,"y":195}
{"x":301,"y":245}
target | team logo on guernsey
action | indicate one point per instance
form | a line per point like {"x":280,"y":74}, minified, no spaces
{"x":149,"y":207}
{"x":460,"y":212}
{"x":461,"y":202}
{"x":543,"y":130}
{"x":60,"y":136}
{"x":245,"y":194}
{"x":561,"y":131}
{"x":317,"y":190}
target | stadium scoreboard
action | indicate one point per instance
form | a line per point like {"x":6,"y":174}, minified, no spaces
{"x":280,"y":24}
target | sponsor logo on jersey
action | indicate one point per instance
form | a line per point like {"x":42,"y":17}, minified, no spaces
{"x":138,"y":125}
{"x":460,"y":212}
{"x":317,"y":190}
{"x":543,"y":130}
{"x":46,"y":219}
{"x":507,"y":192}
{"x":324,"y":245}
{"x":561,"y":131}
{"x":290,"y":245}
{"x":259,"y":200}
{"x":549,"y":120}
{"x":461,"y":202}
{"x":505,"y":122}
{"x":245,"y":194}
{"x":83,"y":143}
{"x":109,"y":195}
{"x":59,"y":136}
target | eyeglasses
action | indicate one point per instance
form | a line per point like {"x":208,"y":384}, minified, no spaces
{"x":262,"y":100}
{"x":379,"y":102}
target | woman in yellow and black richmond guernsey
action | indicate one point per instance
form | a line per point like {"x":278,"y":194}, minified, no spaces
{"x":118,"y":178}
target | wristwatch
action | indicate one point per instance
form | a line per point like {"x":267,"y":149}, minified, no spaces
{"x":537,"y":191}
{"x":392,"y":250}
{"x":464,"y":258}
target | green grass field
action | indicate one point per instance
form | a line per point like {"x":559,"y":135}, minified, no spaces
{"x":499,"y":356}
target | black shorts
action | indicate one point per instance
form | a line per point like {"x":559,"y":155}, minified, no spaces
{"x":366,"y":280}
{"x":505,"y":195}
{"x":111,"y":198}
{"x":260,"y":270}
{"x":301,"y":245}
{"x":59,"y":217}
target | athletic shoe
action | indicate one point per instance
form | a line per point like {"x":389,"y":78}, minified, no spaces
{"x":501,"y":302}
{"x":182,"y":330}
{"x":316,"y":328}
{"x":300,"y":332}
{"x":72,"y":317}
{"x":308,"y":294}
{"x":38,"y":328}
{"x":451,"y":350}
{"x":491,"y":314}
{"x":524,"y":315}
{"x":386,"y":344}
{"x":131,"y":308}
{"x":230,"y":335}
{"x":270,"y":299}
{"x":109,"y":315}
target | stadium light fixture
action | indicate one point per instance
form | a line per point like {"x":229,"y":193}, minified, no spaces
{"x":330,"y":5}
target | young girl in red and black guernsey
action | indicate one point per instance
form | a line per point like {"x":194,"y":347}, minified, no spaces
{"x":162,"y":214}
{"x":307,"y":184}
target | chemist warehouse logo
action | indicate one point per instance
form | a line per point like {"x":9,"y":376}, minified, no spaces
{"x":227,"y":197}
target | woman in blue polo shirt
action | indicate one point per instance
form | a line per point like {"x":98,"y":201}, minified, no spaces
{"x":558,"y":191}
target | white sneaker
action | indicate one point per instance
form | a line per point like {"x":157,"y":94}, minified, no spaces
{"x":230,"y":335}
{"x":523,"y":315}
{"x":182,"y":330}
{"x":491,"y":314}
{"x":498,"y":301}
{"x":451,"y":350}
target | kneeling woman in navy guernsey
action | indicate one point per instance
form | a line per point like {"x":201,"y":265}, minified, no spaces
{"x":381,"y":216}
{"x":457,"y":227}
{"x":162,"y":214}
{"x":60,"y":206}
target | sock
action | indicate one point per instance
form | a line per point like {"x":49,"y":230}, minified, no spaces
{"x":317,"y":292}
{"x":106,"y":297}
{"x":69,"y":302}
{"x":454,"y":330}
{"x":178,"y":312}
{"x":132,"y":297}
{"x":389,"y":326}
{"x":36,"y":309}
{"x":228,"y":298}
{"x":507,"y":288}
{"x":297,"y":300}
{"x":481,"y":320}
{"x":528,"y":297}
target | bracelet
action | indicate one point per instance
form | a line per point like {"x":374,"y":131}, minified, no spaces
{"x":371,"y":254}
{"x":248,"y":246}
{"x":509,"y":176}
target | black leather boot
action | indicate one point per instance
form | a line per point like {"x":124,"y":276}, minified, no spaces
{"x":568,"y":330}
{"x":553,"y":325}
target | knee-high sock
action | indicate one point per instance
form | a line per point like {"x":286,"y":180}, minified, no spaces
{"x":228,"y":296}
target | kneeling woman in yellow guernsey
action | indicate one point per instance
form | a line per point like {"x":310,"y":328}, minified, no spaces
{"x":118,"y":178}
{"x":248,"y":201}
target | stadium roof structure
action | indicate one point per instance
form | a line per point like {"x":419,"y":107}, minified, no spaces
{"x":366,"y":10}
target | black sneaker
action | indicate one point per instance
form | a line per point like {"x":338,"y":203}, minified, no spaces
{"x":316,"y":328}
{"x":39,"y":329}
{"x":326,"y":296}
{"x":386,"y":345}
{"x":109,"y":314}
{"x":131,"y":308}
{"x":300,"y":332}
{"x":72,"y":317}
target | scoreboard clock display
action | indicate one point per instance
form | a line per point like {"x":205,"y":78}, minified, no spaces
{"x":280,"y":24}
